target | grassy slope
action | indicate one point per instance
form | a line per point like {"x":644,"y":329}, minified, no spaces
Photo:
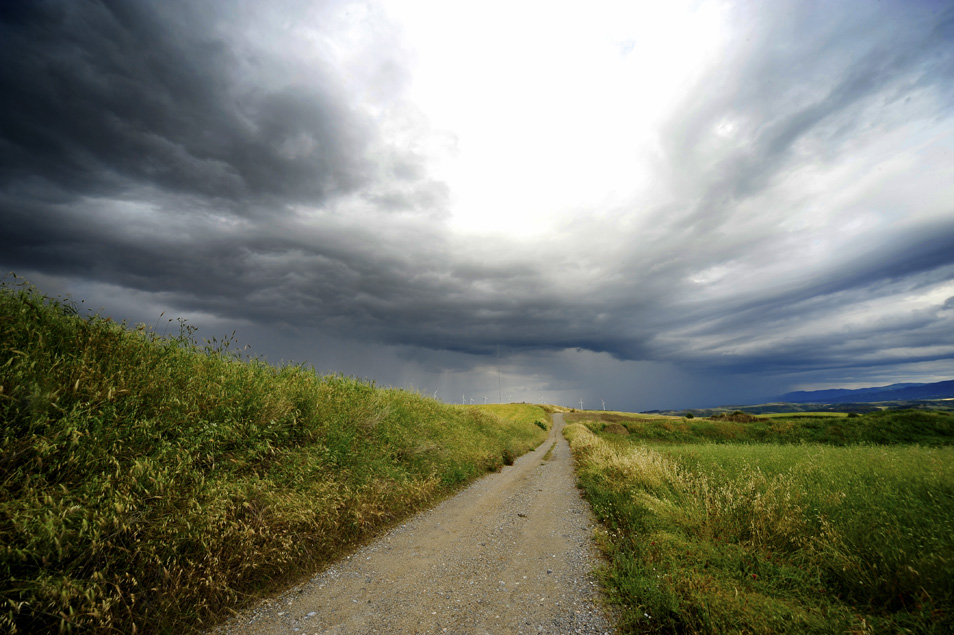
{"x":521,"y":412}
{"x":151,"y":484}
{"x":710,"y":534}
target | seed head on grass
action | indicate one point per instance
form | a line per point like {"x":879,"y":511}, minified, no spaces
{"x":147,"y":473}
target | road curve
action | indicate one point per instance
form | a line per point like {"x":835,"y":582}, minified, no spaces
{"x":512,"y":553}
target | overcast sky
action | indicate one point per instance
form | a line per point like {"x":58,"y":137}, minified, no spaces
{"x":651,"y":204}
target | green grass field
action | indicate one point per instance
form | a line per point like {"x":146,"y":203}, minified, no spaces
{"x":152,"y":484}
{"x":887,"y":427}
{"x":728,"y":529}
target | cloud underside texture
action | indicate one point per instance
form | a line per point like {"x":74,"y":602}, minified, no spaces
{"x":191,"y":151}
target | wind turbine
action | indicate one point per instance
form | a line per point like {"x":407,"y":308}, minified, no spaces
{"x":604,"y":403}
{"x":581,"y":403}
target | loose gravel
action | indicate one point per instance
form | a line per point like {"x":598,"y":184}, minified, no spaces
{"x":513,"y":553}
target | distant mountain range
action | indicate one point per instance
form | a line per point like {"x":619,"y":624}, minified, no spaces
{"x":894,"y":392}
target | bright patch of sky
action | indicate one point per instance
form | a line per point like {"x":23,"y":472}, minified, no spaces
{"x":659,"y":204}
{"x":549,"y":109}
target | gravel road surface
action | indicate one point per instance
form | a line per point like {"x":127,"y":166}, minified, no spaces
{"x":510,"y":554}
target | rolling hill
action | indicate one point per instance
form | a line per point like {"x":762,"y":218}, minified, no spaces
{"x":894,"y":392}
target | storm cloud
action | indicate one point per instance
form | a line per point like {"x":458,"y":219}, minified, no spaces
{"x":282,"y":168}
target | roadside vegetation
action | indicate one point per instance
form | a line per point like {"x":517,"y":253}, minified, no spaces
{"x":883,"y":427}
{"x":782,"y":525}
{"x":519,"y":413}
{"x":152,"y":484}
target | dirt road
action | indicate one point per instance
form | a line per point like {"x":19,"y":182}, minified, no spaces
{"x":510,"y":554}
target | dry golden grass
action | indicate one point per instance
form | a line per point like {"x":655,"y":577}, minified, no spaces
{"x":707,"y":538}
{"x":151,"y":484}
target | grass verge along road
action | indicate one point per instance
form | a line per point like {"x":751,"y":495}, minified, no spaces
{"x":510,"y":554}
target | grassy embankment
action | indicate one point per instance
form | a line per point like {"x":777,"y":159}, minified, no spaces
{"x":152,"y":484}
{"x":789,"y":525}
{"x":519,"y":412}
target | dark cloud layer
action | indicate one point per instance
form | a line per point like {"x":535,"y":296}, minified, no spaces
{"x":197,"y":155}
{"x":103,"y":98}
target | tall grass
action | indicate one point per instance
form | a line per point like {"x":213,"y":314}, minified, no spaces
{"x":520,"y":412}
{"x":769,"y":538}
{"x":150,"y":484}
{"x":886,"y":427}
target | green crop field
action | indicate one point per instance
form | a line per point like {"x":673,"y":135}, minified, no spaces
{"x":152,"y":484}
{"x":790,"y":525}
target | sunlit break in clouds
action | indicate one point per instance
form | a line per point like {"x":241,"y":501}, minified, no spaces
{"x":653,"y":205}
